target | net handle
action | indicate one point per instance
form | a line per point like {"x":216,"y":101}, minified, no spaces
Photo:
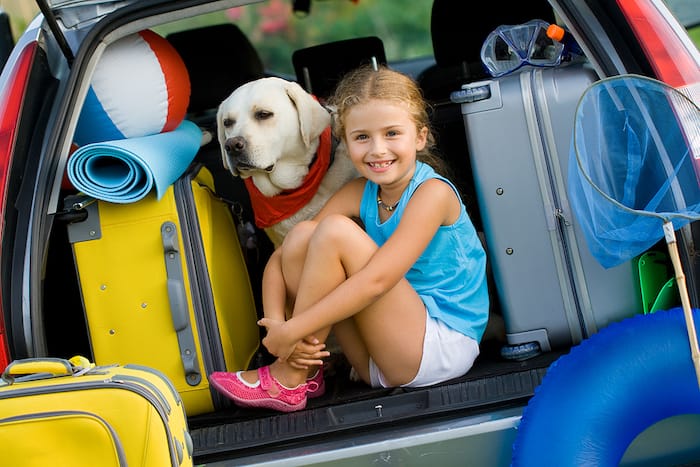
{"x":670,"y":236}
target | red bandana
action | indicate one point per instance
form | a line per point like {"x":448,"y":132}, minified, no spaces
{"x":271,"y":210}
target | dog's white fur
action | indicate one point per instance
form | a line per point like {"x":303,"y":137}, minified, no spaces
{"x":274,"y":126}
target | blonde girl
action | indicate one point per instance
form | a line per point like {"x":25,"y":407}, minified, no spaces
{"x":405,"y":293}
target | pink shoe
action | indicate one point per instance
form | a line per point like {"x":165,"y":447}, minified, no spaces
{"x":269,"y":393}
{"x":316,"y":385}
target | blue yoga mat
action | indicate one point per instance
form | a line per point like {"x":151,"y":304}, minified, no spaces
{"x":125,"y":171}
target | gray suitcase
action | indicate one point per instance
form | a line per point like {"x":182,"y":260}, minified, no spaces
{"x":551,"y":290}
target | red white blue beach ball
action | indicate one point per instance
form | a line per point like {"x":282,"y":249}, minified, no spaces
{"x":140,"y":87}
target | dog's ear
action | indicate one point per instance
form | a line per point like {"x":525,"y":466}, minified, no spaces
{"x":221,"y":135}
{"x":313,"y":117}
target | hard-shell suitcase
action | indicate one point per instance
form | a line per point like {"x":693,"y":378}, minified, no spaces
{"x":71,"y":413}
{"x":551,"y":290}
{"x":164,"y":284}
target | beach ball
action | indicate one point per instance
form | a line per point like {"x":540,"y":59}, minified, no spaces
{"x":140,"y":87}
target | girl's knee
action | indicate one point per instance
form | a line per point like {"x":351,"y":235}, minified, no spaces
{"x":299,"y":235}
{"x":336,"y":227}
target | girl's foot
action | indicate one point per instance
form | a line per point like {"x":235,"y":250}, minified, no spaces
{"x":316,"y":385}
{"x":266,"y":393}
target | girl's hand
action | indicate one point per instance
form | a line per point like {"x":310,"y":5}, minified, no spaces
{"x":276,"y":340}
{"x":300,"y":354}
{"x":308,"y":352}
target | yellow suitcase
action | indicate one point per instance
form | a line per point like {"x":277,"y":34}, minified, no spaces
{"x":164,"y":284}
{"x":61,"y":412}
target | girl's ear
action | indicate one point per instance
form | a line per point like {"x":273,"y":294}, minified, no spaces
{"x":421,"y":138}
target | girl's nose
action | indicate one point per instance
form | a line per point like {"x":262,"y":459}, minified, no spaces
{"x":378,"y":146}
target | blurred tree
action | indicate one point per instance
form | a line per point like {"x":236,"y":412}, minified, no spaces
{"x":21,"y":12}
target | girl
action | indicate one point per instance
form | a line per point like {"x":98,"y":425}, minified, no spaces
{"x":406,"y":296}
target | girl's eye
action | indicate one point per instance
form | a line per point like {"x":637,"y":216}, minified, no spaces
{"x":392,"y":133}
{"x":360,"y":137}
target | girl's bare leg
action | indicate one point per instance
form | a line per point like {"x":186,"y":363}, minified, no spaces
{"x":294,"y":251}
{"x":316,"y":258}
{"x":293,"y":254}
{"x":391,"y":329}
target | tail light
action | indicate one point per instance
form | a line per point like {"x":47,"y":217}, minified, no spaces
{"x":674,"y":61}
{"x":11,"y":98}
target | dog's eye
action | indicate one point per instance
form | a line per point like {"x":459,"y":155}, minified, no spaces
{"x":228,"y":122}
{"x":263,"y":114}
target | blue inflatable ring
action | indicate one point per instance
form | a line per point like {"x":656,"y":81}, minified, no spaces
{"x":594,"y":401}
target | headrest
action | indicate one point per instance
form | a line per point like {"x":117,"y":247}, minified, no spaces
{"x":320,"y":67}
{"x":458,"y":31}
{"x":213,"y":79}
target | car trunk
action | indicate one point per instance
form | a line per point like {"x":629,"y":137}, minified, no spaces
{"x":347,"y":406}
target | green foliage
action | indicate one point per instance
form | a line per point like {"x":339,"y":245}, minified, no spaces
{"x":694,"y":34}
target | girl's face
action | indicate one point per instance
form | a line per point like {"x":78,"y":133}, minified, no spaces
{"x":382,"y":141}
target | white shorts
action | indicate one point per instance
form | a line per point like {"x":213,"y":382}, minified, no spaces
{"x":447,"y":354}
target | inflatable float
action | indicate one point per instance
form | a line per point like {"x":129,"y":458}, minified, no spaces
{"x":594,"y":401}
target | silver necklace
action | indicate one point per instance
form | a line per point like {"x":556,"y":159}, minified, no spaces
{"x":383,"y":205}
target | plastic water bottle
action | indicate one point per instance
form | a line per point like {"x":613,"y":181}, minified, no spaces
{"x":559,"y":34}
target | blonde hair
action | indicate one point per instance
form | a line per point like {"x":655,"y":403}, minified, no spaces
{"x":365,"y":83}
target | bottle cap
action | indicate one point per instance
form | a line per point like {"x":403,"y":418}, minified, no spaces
{"x":555,"y":32}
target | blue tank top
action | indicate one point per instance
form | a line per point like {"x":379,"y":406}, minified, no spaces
{"x":450,"y":275}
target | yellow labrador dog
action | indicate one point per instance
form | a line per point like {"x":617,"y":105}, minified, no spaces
{"x":277,"y":137}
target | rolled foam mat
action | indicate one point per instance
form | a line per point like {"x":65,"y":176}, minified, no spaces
{"x":125,"y":171}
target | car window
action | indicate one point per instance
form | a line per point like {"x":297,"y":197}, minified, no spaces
{"x":276,"y":31}
{"x":687,"y":11}
{"x":688,"y":14}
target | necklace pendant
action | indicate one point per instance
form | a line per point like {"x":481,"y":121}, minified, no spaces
{"x":386,"y":207}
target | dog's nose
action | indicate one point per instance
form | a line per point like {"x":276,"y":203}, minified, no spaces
{"x":235,"y":145}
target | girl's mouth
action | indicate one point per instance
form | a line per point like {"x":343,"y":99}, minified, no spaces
{"x":380,"y":165}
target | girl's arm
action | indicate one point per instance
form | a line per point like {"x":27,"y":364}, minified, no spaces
{"x":433,"y":204}
{"x":345,"y":201}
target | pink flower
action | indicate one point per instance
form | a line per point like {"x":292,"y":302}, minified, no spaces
{"x":275,"y":16}
{"x":234,"y":13}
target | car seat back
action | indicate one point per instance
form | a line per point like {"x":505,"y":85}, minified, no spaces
{"x":320,"y":67}
{"x":212,"y":79}
{"x":458,"y":33}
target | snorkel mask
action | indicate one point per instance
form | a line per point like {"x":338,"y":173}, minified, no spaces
{"x":510,"y":47}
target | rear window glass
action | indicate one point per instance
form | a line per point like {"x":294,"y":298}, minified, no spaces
{"x":277,"y":31}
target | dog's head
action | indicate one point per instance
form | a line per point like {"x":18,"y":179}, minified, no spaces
{"x":268,"y":129}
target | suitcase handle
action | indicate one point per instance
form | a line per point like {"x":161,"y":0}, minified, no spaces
{"x":48,"y":367}
{"x":178,"y":303}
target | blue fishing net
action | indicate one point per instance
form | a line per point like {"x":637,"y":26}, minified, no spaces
{"x":634,"y":165}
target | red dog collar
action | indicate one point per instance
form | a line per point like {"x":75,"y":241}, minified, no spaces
{"x":270,"y":210}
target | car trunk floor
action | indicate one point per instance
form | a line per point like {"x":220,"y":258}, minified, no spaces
{"x":346,"y":405}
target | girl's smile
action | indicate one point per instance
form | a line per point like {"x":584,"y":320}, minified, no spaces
{"x":380,"y":166}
